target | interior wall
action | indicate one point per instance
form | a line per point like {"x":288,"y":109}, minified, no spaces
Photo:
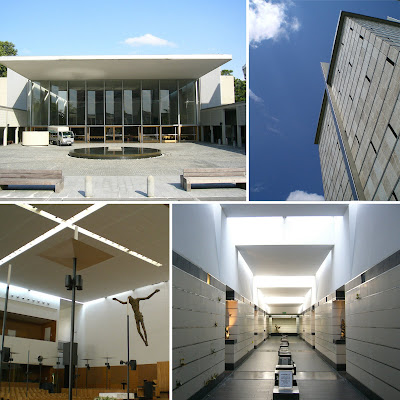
{"x":203,"y":235}
{"x":287,"y":325}
{"x":365,"y":235}
{"x":194,"y":235}
{"x":101,"y":328}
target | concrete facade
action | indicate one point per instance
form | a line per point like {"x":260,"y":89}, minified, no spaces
{"x":359,"y":122}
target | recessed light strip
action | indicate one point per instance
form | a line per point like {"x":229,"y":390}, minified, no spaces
{"x":62,"y":225}
{"x":118,"y":246}
{"x":70,"y":224}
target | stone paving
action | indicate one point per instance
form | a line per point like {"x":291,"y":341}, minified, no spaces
{"x":123,"y":179}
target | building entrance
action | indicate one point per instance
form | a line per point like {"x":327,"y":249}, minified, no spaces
{"x":113,"y":134}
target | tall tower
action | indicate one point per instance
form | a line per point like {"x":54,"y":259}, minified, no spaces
{"x":359,"y":123}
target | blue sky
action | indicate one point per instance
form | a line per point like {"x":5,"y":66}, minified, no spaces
{"x":290,"y":39}
{"x":89,"y":27}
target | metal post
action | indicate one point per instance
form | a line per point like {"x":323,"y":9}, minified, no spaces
{"x":106,"y":377}
{"x":127,"y":364}
{"x":27,"y":375}
{"x":4,"y":322}
{"x":72,"y":329}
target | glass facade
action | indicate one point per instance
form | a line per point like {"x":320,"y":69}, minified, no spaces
{"x":110,"y":109}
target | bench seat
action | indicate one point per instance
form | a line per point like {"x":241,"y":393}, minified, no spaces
{"x":32,"y":177}
{"x":212,"y":176}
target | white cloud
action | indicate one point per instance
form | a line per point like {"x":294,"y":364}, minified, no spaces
{"x":269,"y":21}
{"x":148,"y":40}
{"x":299,"y":195}
{"x":254,"y":97}
{"x":257,"y":188}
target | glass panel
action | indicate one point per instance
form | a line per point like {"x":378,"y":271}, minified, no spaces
{"x":118,"y":133}
{"x":131,"y":134}
{"x":79,"y":134}
{"x":187,"y":102}
{"x":114,"y":102}
{"x":169,"y":133}
{"x":188,"y":133}
{"x":76,"y":103}
{"x":40,"y":103}
{"x":95,"y":93}
{"x":96,"y":134}
{"x":109,"y":134}
{"x":58,"y":103}
{"x":150,"y":102}
{"x":169,"y":102}
{"x":150,"y":134}
{"x":132,"y":102}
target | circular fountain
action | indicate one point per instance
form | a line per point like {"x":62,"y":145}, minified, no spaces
{"x":122,"y":153}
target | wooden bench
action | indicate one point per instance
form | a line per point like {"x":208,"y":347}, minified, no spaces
{"x":213,"y":175}
{"x":32,"y":177}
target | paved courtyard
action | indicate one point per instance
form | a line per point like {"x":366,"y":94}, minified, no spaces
{"x":123,"y":179}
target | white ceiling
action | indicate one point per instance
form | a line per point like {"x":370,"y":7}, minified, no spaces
{"x":115,"y":67}
{"x":142,"y":228}
{"x":284,"y":210}
{"x":286,"y":292}
{"x":284,"y":260}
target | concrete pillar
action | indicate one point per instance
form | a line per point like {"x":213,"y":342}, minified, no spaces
{"x":239,"y":136}
{"x":202,"y":133}
{"x":223,"y":125}
{"x":5,"y":134}
{"x":16,"y":136}
{"x":212,"y":133}
{"x":179,"y":133}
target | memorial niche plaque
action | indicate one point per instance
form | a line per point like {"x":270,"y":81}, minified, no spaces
{"x":286,"y":380}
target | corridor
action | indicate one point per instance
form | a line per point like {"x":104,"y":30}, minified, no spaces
{"x":254,"y":379}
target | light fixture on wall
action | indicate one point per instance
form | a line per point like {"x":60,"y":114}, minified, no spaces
{"x":227,"y":332}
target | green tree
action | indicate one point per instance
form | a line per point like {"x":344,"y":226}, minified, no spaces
{"x":6,"y":49}
{"x":227,"y":72}
{"x":240,"y":90}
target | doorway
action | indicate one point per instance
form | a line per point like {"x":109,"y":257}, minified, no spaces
{"x":113,"y":134}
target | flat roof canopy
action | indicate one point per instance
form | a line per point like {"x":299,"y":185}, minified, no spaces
{"x":115,"y":67}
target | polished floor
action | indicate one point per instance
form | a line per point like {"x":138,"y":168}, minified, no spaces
{"x":254,"y":379}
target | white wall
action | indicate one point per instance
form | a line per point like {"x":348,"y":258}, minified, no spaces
{"x":17,"y":90}
{"x":101,"y":328}
{"x":3,"y":91}
{"x":367,"y":234}
{"x":227,"y":89}
{"x":210,"y":89}
{"x":194,"y":235}
{"x":202,"y":235}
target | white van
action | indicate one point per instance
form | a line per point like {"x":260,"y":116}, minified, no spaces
{"x":60,"y":138}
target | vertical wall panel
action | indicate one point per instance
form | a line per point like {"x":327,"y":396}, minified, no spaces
{"x":372,"y":333}
{"x":241,"y":328}
{"x":328,"y":317}
{"x":198,"y":325}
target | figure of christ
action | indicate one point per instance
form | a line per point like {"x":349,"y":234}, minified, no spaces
{"x":138,"y":315}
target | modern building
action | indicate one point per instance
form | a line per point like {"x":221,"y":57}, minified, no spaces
{"x":326,"y":275}
{"x":127,"y":256}
{"x":125,"y":99}
{"x":359,"y":122}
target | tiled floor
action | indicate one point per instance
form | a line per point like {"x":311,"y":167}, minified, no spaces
{"x":254,"y":379}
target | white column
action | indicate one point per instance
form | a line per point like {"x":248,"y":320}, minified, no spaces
{"x":5,"y":133}
{"x":239,"y":136}
{"x":16,"y":136}
{"x":223,"y":128}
